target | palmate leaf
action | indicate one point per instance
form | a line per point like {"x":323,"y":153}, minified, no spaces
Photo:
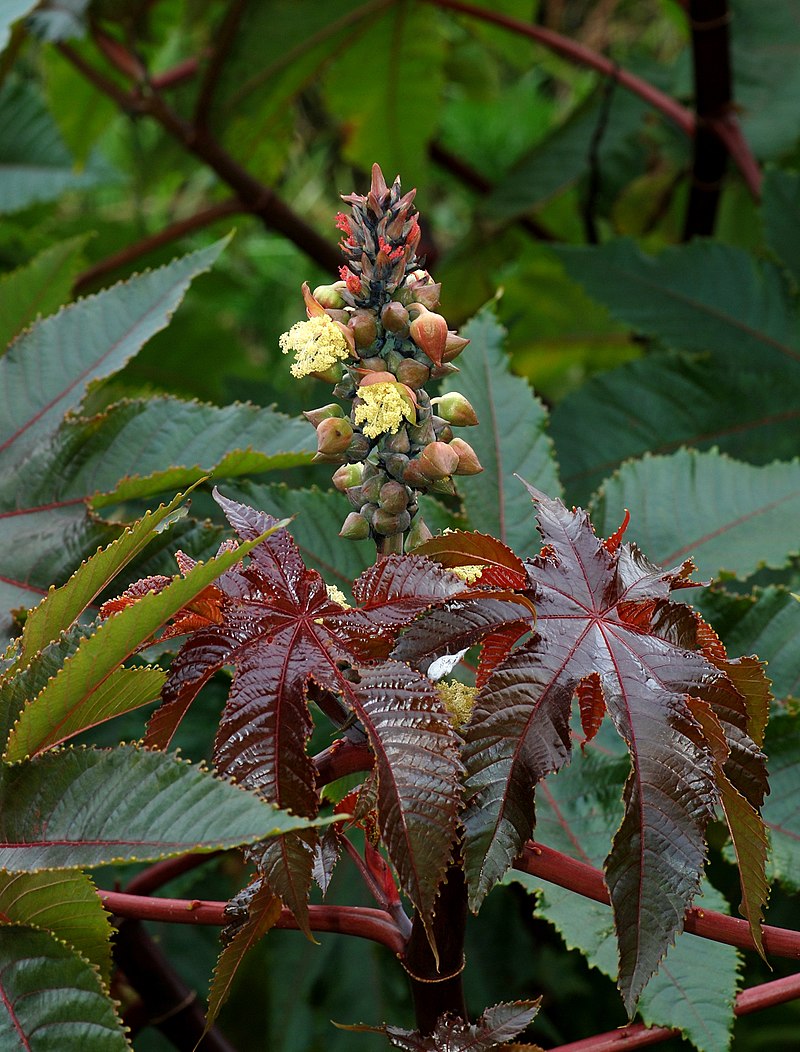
{"x":77,"y":808}
{"x":52,"y":998}
{"x":62,"y":902}
{"x":496,"y":1027}
{"x":281,"y":632}
{"x":603,"y":614}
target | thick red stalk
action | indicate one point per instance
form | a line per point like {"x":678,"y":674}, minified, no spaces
{"x":361,"y":921}
{"x":541,"y":861}
{"x":779,"y":991}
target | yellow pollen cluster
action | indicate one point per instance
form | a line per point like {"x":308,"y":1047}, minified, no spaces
{"x":336,"y":595}
{"x":459,"y":700}
{"x":317,"y":344}
{"x":467,"y":573}
{"x":383,"y":409}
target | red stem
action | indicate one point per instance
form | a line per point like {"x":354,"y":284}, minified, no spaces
{"x":541,"y":861}
{"x":361,"y":921}
{"x":148,"y":244}
{"x":639,"y":1036}
{"x":161,"y":873}
{"x":726,"y":128}
{"x":341,"y":758}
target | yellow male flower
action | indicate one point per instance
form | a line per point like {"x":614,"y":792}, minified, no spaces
{"x":459,"y":700}
{"x":317,"y":343}
{"x":383,"y":409}
{"x":469,"y":573}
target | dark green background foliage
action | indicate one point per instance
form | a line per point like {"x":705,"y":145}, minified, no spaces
{"x":617,"y":364}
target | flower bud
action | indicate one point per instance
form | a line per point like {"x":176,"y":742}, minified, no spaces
{"x":422,"y":434}
{"x":468,"y":463}
{"x":428,"y":295}
{"x":340,"y":316}
{"x":442,"y":430}
{"x":453,"y":346}
{"x":373,"y":365}
{"x":330,"y":376}
{"x":455,"y":409}
{"x":393,"y":360}
{"x":329,"y":295}
{"x":438,"y":460}
{"x":334,"y":435}
{"x":393,"y":497}
{"x":386,"y":524}
{"x":347,"y":476}
{"x":316,"y":416}
{"x":371,"y":488}
{"x":355,"y":496}
{"x":438,"y":372}
{"x":429,"y":332}
{"x":394,"y":318}
{"x":355,"y":527}
{"x":418,"y":534}
{"x":359,"y":447}
{"x":399,"y":442}
{"x":364,"y":326}
{"x":396,"y":464}
{"x":446,"y":487}
{"x":414,"y":476}
{"x":413,"y":373}
{"x":368,"y":512}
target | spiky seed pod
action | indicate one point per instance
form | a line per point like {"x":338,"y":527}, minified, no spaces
{"x":468,"y":463}
{"x":334,"y":435}
{"x":413,"y":373}
{"x":456,"y":409}
{"x":347,"y":476}
{"x":387,"y":524}
{"x":393,"y":497}
{"x":316,"y":416}
{"x":355,"y":527}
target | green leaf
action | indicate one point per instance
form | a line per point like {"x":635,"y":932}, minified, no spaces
{"x":667,"y":401}
{"x":393,"y":120}
{"x":695,"y":986}
{"x":745,"y":321}
{"x":563,"y":157}
{"x":766,"y":73}
{"x":766,"y":623}
{"x":52,"y":998}
{"x":77,"y":808}
{"x":781,"y":813}
{"x":726,"y":516}
{"x":63,"y":605}
{"x":38,"y":288}
{"x":781,"y":212}
{"x":496,"y":502}
{"x":64,"y":903}
{"x":90,"y":687}
{"x":48,"y":369}
{"x":35,"y":165}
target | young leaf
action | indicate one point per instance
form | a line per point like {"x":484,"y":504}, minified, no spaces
{"x":497,"y":1026}
{"x":76,"y":808}
{"x":602,"y":610}
{"x":281,"y":631}
{"x":263,"y":913}
{"x":39,"y":976}
{"x":64,"y":903}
